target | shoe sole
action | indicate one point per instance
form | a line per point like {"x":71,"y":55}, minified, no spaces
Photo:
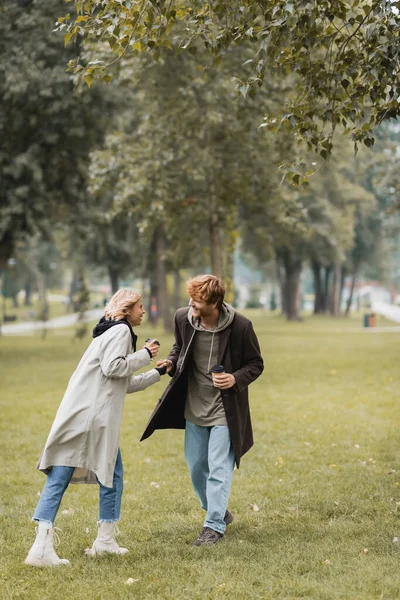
{"x":206,"y":543}
{"x":38,"y":562}
{"x":229,"y":519}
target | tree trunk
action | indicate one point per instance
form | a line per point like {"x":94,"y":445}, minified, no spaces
{"x":73,"y":286}
{"x":177,"y":289}
{"x":28,"y":292}
{"x":43,"y":304}
{"x":114,"y":279}
{"x":325,"y":294}
{"x":335,"y":296}
{"x":318,"y":294}
{"x":215,"y":246}
{"x":153,"y":306}
{"x":291,"y":285}
{"x":280,"y":277}
{"x":342,"y":281}
{"x":6,"y":249}
{"x":161,"y":279}
{"x":350,"y":298}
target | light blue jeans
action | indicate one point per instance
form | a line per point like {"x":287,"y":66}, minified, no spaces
{"x":211,"y":460}
{"x":57,"y":482}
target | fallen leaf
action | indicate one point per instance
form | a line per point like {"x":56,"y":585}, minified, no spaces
{"x":147,"y":460}
{"x":254,"y":507}
{"x":327,"y":562}
{"x":365,"y":550}
{"x":395,"y":540}
{"x":307,"y":443}
{"x":221,"y":585}
{"x":87,"y":530}
{"x":68,"y":511}
{"x":130,"y":581}
{"x":356,"y":446}
{"x":38,"y":494}
{"x":154,"y":484}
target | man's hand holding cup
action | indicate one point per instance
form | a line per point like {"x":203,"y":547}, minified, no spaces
{"x":222,"y":380}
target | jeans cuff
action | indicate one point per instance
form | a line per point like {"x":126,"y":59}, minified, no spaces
{"x":38,"y":520}
{"x":108,"y":520}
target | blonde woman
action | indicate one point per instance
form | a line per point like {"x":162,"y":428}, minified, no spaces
{"x":83,"y":444}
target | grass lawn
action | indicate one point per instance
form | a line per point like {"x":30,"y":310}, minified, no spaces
{"x":324,"y":474}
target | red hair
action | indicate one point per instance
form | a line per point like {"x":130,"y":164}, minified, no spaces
{"x":209,"y":288}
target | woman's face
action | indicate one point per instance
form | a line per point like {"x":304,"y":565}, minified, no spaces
{"x":136,"y":313}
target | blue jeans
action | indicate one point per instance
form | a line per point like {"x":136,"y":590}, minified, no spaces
{"x":211,"y":460}
{"x":57,"y":482}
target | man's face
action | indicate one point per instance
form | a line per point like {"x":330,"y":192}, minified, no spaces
{"x":200,"y":307}
{"x":136,"y":314}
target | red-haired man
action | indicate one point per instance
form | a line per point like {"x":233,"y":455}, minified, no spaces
{"x":215,"y":411}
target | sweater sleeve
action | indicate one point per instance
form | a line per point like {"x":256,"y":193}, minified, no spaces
{"x":116,"y":360}
{"x":137,"y":383}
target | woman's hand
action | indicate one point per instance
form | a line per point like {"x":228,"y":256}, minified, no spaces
{"x":165,"y":363}
{"x":153,"y":346}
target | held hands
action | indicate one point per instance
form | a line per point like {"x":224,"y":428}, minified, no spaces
{"x":224,"y":381}
{"x":153,"y":346}
{"x":165,"y":363}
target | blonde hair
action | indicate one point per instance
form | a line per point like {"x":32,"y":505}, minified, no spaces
{"x":120,"y":304}
{"x":209,"y":288}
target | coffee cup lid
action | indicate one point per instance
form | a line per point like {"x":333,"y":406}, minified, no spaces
{"x":218,"y":369}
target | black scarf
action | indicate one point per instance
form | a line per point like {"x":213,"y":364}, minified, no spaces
{"x":105,"y":324}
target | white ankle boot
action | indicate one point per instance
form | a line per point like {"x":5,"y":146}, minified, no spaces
{"x":105,"y":541}
{"x":42,"y":553}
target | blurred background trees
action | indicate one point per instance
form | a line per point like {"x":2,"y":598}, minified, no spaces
{"x":166,"y":172}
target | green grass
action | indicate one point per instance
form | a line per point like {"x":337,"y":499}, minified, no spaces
{"x":324,"y":473}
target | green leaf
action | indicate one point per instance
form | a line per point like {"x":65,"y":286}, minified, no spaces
{"x":88,"y":80}
{"x":67,"y":37}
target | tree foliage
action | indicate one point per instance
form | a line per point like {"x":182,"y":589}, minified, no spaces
{"x":46,"y":130}
{"x":341,"y":57}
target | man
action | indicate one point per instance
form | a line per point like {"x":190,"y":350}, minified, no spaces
{"x":215,"y":416}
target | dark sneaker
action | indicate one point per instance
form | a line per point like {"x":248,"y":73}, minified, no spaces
{"x":208,"y":536}
{"x":228,"y":518}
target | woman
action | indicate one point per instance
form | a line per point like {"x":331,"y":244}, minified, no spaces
{"x":83,"y":444}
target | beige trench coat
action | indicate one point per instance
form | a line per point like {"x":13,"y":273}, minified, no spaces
{"x":85,"y":432}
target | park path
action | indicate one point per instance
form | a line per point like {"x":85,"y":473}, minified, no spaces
{"x":389,"y":311}
{"x":56,"y":323}
{"x":386,"y":310}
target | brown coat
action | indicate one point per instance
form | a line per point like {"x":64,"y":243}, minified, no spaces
{"x":239,"y":352}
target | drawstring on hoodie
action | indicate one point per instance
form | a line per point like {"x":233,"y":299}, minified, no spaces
{"x":211,"y":349}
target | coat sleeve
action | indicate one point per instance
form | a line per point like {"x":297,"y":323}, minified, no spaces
{"x":137,"y":383}
{"x":176,"y":348}
{"x":253,"y":363}
{"x":116,"y":360}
